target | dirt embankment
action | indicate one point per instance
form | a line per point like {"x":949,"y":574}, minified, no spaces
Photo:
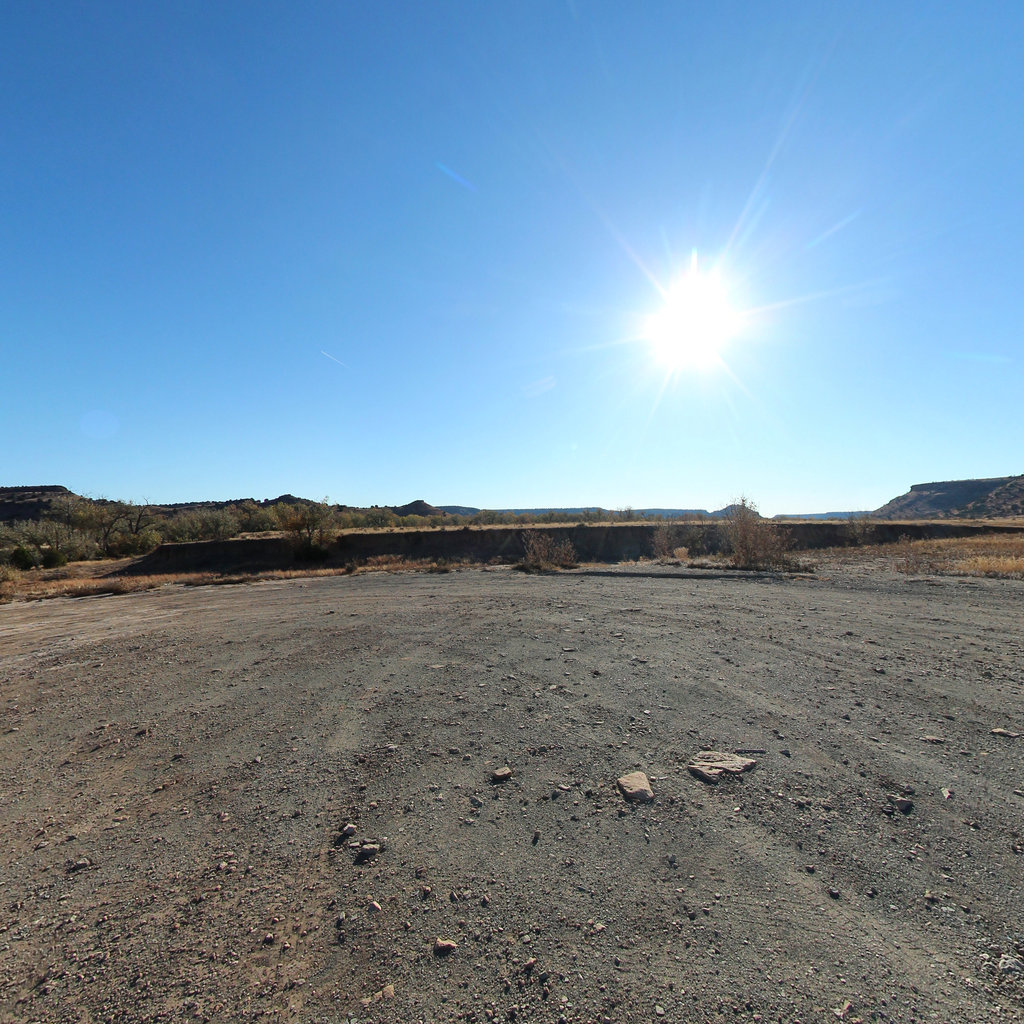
{"x":608,"y":543}
{"x":271,"y":801}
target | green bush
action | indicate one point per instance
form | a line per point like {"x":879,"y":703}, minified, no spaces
{"x":54,"y":559}
{"x":24,"y":558}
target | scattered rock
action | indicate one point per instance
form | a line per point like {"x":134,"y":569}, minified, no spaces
{"x":444,"y":947}
{"x":636,"y":788}
{"x":902,"y":804}
{"x":502,"y":774}
{"x":367,"y":852}
{"x":1010,"y":964}
{"x":934,"y":739}
{"x":387,"y":992}
{"x":1006,"y":732}
{"x":710,"y":765}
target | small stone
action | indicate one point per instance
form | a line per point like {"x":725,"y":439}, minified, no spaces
{"x":348,"y":830}
{"x":502,"y":774}
{"x":268,"y":939}
{"x":659,"y":1010}
{"x":373,"y":907}
{"x":367,"y":852}
{"x":1010,"y":964}
{"x":636,"y":788}
{"x":934,"y":739}
{"x":834,"y":893}
{"x":444,"y":947}
{"x":1009,"y":734}
{"x":902,"y":804}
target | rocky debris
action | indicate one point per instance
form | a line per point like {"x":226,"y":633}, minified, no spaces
{"x":1009,"y":733}
{"x":934,"y":739}
{"x":367,"y":851}
{"x":711,"y":765}
{"x":387,"y":992}
{"x":902,"y":804}
{"x":502,"y":774}
{"x":444,"y":947}
{"x":636,"y":788}
{"x":1010,"y":964}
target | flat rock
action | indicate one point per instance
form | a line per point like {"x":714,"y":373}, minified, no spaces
{"x":636,"y":788}
{"x":711,"y":765}
{"x":502,"y":774}
{"x":443,"y":947}
{"x":1006,"y":732}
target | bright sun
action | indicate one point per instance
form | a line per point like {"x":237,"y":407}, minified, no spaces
{"x":696,"y":321}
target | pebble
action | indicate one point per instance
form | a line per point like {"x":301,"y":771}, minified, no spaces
{"x":443,"y":947}
{"x":501,"y":774}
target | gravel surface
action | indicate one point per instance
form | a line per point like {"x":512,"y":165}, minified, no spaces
{"x":288,"y":800}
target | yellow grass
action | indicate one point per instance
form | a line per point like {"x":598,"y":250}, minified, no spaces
{"x":997,"y":555}
{"x":86,"y":579}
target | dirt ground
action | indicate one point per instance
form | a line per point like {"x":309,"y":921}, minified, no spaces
{"x":270,"y":800}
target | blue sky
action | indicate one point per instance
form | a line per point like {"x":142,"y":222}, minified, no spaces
{"x":384,"y":251}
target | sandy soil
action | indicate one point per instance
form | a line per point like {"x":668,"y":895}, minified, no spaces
{"x":178,"y":769}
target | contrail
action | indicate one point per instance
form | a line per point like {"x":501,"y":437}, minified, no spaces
{"x":329,"y":356}
{"x":457,"y":178}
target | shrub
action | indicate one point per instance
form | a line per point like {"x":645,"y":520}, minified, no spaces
{"x":754,"y":543}
{"x":541,"y":551}
{"x":130,"y":544}
{"x":23,"y":558}
{"x":53,"y":559}
{"x":664,"y":541}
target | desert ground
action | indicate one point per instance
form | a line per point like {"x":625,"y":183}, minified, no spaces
{"x":272,"y":800}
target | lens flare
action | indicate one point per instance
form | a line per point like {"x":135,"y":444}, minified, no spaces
{"x":694,"y":324}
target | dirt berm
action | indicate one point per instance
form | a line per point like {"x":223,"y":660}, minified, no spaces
{"x":615,"y":543}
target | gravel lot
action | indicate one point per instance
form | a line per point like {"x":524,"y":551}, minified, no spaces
{"x":178,"y":769}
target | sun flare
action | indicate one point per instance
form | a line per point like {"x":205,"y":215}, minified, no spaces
{"x":694,"y":324}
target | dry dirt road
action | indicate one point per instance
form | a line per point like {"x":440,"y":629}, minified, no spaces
{"x":270,"y":800}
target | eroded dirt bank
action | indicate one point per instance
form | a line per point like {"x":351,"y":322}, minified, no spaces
{"x":178,"y":768}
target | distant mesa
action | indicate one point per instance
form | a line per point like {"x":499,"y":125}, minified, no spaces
{"x":992,"y":498}
{"x":29,"y":502}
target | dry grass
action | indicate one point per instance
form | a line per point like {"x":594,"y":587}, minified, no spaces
{"x":90,"y":579}
{"x":996,"y":555}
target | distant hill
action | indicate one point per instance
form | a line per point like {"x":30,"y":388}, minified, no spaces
{"x":29,"y":502}
{"x":994,"y":498}
{"x":417,"y":508}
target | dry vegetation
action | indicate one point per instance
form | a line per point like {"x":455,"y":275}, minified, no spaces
{"x":999,"y":555}
{"x":92,"y":579}
{"x":542,"y":553}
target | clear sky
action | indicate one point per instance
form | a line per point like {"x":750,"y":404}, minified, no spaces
{"x":384,"y":251}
